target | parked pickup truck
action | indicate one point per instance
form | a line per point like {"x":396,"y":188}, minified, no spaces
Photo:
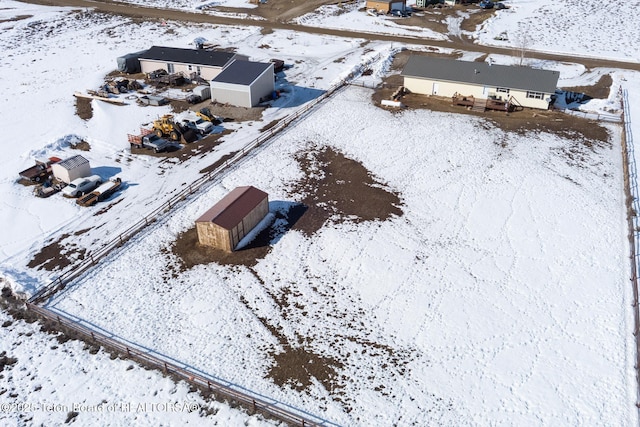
{"x":203,"y":127}
{"x":149,"y":140}
{"x":40,"y":171}
{"x":103,"y":192}
{"x":81,"y":186}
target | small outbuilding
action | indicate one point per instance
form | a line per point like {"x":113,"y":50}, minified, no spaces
{"x":244,"y":83}
{"x":72,"y":168}
{"x":386,"y":6}
{"x":229,"y":220}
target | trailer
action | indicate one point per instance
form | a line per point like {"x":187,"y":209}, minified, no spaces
{"x":39,"y":172}
{"x":103,"y":192}
{"x":47,"y":189}
{"x":152,"y":100}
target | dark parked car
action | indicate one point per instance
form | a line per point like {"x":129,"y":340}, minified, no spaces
{"x":486,"y":4}
{"x":499,"y":6}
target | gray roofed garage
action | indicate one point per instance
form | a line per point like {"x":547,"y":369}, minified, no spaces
{"x":243,"y":83}
{"x":242,"y":72}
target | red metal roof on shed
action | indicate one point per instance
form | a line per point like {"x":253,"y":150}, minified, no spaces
{"x":233,"y":207}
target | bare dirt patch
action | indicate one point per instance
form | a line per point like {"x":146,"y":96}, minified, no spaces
{"x":16,"y":18}
{"x":600,"y":90}
{"x":58,"y":255}
{"x":340,"y":189}
{"x":296,"y":367}
{"x":84,"y":110}
{"x":6,"y":361}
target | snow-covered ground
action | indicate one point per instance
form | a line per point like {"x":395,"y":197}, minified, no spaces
{"x":499,"y":297}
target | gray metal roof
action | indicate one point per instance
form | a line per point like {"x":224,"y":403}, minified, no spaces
{"x":188,"y":56}
{"x":73,"y":162}
{"x":242,"y":72}
{"x":481,"y":74}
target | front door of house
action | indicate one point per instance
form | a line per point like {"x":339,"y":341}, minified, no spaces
{"x":436,"y":86}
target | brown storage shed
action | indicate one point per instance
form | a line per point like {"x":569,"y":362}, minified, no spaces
{"x":229,"y":220}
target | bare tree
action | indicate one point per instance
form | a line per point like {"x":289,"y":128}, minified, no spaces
{"x":523,"y":40}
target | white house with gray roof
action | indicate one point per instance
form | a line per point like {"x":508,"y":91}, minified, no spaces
{"x":204,"y":63}
{"x":243,"y":83}
{"x":528,"y":87}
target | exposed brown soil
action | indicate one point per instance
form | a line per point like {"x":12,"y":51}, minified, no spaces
{"x":58,"y":254}
{"x":600,"y":90}
{"x":337,"y":189}
{"x":218,"y":163}
{"x":84,"y":110}
{"x":82,"y":146}
{"x":296,"y":367}
{"x":16,"y":18}
{"x":192,"y":253}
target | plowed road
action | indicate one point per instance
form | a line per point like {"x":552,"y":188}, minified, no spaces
{"x":185,"y":16}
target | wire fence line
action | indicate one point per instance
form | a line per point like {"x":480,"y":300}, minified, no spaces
{"x":614,"y":118}
{"x":218,"y":388}
{"x":633,"y":207}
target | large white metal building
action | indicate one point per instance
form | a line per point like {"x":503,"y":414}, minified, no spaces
{"x":243,"y":83}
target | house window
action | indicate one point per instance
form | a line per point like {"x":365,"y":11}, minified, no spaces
{"x":502,"y":90}
{"x":535,"y":95}
{"x":190,"y":67}
{"x":170,"y":68}
{"x":198,"y":70}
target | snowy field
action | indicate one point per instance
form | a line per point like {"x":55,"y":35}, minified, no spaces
{"x":499,"y":297}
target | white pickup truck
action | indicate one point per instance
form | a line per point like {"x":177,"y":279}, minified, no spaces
{"x":203,"y":127}
{"x":80,"y":186}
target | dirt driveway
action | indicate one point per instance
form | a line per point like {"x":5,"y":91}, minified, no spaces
{"x":277,"y":14}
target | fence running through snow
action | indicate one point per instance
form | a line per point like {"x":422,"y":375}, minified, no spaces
{"x":633,"y":195}
{"x":253,"y":402}
{"x":615,"y":118}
